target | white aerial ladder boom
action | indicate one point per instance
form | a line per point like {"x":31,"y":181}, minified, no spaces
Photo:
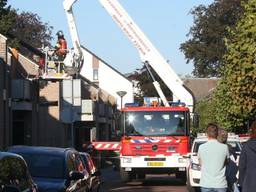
{"x":148,"y":53}
{"x":74,"y":58}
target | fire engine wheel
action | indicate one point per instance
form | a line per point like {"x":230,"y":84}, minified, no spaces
{"x":125,"y":175}
{"x":182,"y":176}
{"x":141,"y":175}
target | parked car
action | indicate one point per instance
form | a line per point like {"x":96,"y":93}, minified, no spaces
{"x":194,"y":169}
{"x":94,"y":173}
{"x":14,"y":174}
{"x":55,"y":169}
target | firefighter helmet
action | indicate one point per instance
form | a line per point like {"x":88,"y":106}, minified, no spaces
{"x":60,"y":34}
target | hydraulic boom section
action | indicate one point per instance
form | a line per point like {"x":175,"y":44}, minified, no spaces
{"x":148,"y":53}
{"x":74,"y":59}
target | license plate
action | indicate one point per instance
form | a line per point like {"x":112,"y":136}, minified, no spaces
{"x":155,"y":164}
{"x":182,"y":169}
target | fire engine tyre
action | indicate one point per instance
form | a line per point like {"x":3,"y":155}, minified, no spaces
{"x":125,"y":175}
{"x":182,"y":176}
{"x":141,"y":176}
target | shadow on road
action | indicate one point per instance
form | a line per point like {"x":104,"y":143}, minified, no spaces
{"x":152,"y":183}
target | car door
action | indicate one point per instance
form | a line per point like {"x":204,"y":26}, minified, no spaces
{"x":95,"y":179}
{"x":74,"y":164}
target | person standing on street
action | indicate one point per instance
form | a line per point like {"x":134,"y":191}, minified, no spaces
{"x":213,"y":157}
{"x":247,"y":163}
{"x":231,"y":166}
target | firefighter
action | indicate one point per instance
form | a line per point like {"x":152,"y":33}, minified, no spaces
{"x":61,"y":46}
{"x":60,"y":52}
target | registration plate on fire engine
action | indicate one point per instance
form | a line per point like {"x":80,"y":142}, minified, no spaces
{"x":155,"y":164}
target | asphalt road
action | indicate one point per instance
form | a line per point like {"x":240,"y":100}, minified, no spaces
{"x":152,"y":183}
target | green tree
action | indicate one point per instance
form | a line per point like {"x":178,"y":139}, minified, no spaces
{"x":206,"y":110}
{"x":25,"y":27}
{"x":206,"y":45}
{"x":145,"y":84}
{"x":7,"y":17}
{"x":235,"y":97}
{"x":29,"y":28}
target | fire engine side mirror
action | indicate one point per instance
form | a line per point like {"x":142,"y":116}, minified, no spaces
{"x":187,"y":156}
{"x":118,"y":133}
{"x":195,"y":120}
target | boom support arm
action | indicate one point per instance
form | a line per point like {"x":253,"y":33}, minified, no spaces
{"x":148,"y":53}
{"x":76,"y":58}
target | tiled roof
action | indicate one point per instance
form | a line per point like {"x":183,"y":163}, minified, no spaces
{"x":201,"y":87}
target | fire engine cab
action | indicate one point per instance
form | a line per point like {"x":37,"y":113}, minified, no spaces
{"x":154,"y":140}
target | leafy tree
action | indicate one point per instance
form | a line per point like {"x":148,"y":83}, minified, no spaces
{"x":25,"y":28}
{"x":235,"y":97}
{"x":29,"y":28}
{"x":7,"y":17}
{"x":206,"y":110}
{"x":145,"y":84}
{"x":206,"y":45}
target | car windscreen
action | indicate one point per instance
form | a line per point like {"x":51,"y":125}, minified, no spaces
{"x":155,"y":123}
{"x":236,"y":146}
{"x":45,"y":165}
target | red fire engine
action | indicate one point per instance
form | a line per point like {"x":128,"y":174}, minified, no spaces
{"x":154,"y":140}
{"x":154,"y":137}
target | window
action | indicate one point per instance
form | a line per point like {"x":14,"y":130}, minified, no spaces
{"x":13,"y":171}
{"x":95,"y":74}
{"x":71,"y":162}
{"x":45,"y":165}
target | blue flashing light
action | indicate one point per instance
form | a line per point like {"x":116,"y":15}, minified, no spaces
{"x":177,"y":103}
{"x":131,"y":105}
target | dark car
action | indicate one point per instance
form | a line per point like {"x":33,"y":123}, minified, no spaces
{"x":55,"y":169}
{"x":94,"y":173}
{"x":14,"y":174}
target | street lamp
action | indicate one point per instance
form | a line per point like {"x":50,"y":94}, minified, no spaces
{"x":121,"y":94}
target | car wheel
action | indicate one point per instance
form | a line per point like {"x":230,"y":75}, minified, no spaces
{"x":190,"y":188}
{"x":141,"y":176}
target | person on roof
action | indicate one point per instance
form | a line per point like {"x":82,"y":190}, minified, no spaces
{"x":61,"y":46}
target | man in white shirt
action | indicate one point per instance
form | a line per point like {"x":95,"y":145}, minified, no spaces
{"x":213,"y":157}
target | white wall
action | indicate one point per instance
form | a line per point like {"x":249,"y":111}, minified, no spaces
{"x":108,"y":78}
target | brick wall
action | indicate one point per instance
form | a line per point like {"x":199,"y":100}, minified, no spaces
{"x":51,"y":132}
{"x":3,"y":58}
{"x":4,"y":109}
{"x":3,"y":47}
{"x":1,"y":103}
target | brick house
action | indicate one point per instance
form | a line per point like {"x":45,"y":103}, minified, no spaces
{"x":31,"y":108}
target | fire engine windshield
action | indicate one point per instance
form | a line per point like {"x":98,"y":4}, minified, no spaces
{"x":155,"y":123}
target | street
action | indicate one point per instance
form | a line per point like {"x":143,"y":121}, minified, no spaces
{"x":152,"y":183}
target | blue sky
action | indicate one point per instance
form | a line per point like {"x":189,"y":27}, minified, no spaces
{"x":165,"y":23}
